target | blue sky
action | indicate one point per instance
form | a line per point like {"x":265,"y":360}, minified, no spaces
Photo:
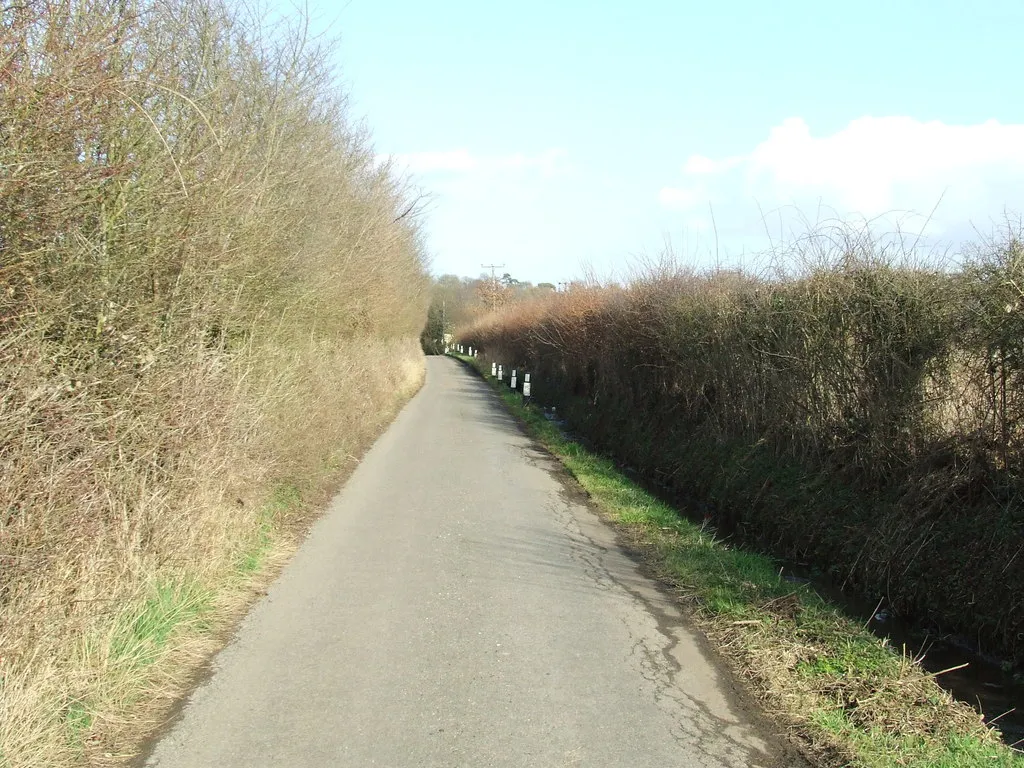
{"x":554,"y":135}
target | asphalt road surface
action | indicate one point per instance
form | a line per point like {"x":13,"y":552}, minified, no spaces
{"x":458,"y":606}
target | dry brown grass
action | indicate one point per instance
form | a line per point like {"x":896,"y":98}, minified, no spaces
{"x":210,"y":301}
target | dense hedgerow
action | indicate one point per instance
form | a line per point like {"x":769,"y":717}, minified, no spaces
{"x":208,"y":287}
{"x":860,"y":413}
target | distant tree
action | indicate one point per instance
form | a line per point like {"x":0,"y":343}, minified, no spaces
{"x":459,"y":297}
{"x":433,"y":337}
{"x":493,"y":293}
{"x":457,"y":301}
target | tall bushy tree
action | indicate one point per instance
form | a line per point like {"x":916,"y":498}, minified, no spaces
{"x":200,"y":260}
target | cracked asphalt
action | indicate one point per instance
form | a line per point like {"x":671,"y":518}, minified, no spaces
{"x":459,"y":606}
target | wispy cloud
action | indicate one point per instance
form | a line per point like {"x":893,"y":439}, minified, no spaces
{"x":873,"y":166}
{"x":462,"y":161}
{"x":428,"y":162}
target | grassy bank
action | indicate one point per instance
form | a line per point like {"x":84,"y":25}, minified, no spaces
{"x":210,"y":302}
{"x":848,"y":696}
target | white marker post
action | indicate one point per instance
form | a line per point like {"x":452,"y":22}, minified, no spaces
{"x":501,"y":373}
{"x":526,"y":385}
{"x":470,"y":351}
{"x":494,"y":369}
{"x":513,"y":382}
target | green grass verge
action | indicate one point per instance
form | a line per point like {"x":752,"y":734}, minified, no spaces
{"x":142,"y":635}
{"x":848,"y":696}
{"x":285,"y":500}
{"x":144,"y":631}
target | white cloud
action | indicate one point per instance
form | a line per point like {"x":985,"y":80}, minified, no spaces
{"x":873,"y":166}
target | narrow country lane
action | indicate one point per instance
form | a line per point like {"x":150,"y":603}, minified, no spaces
{"x":456,"y":606}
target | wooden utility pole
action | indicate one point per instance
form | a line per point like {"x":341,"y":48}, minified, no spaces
{"x":494,"y":284}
